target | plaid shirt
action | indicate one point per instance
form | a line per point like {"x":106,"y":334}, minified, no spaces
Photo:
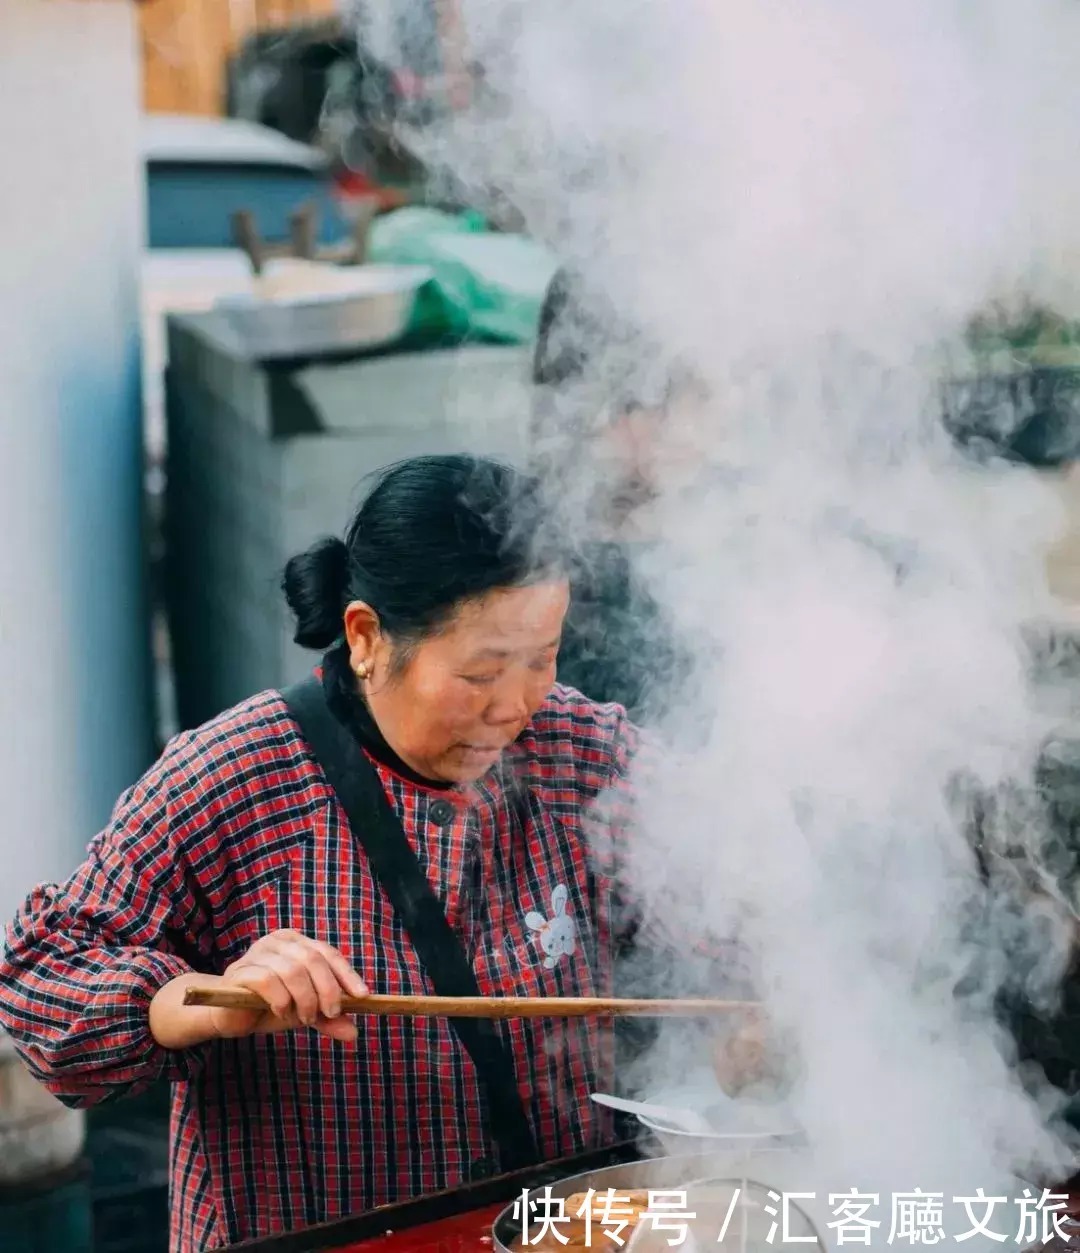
{"x":235,"y":833}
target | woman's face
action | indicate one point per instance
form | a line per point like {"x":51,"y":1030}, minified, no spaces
{"x":467,"y":692}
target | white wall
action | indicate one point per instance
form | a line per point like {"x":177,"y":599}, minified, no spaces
{"x":75,"y":724}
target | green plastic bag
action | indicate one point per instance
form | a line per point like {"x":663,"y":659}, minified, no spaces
{"x":485,"y":285}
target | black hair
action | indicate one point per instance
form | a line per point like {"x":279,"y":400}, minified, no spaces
{"x":432,"y":533}
{"x":582,"y":339}
{"x":573,"y":319}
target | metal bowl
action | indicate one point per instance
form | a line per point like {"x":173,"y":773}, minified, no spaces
{"x":748,"y":1214}
{"x":706,"y":1180}
{"x":652,"y":1172}
{"x":326,"y":310}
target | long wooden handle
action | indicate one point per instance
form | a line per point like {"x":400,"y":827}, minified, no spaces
{"x":487,"y":1006}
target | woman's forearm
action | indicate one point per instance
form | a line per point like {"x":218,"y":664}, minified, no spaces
{"x":82,"y":1025}
{"x":175,"y":1025}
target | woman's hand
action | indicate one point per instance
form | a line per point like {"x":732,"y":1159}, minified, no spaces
{"x":301,"y":980}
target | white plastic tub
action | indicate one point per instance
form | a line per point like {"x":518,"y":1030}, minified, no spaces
{"x":39,"y":1136}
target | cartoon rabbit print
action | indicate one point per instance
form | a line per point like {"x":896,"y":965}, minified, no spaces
{"x":557,"y":934}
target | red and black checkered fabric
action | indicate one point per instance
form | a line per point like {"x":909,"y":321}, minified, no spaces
{"x":235,"y":833}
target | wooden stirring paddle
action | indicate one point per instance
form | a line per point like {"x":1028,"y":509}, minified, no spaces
{"x":488,"y":1006}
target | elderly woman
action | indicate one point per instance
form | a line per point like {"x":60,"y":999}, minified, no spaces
{"x":421,"y":816}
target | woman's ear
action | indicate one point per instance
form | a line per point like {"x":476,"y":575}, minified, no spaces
{"x":362,"y":634}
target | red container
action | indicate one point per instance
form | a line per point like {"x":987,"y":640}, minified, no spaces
{"x":447,"y":1222}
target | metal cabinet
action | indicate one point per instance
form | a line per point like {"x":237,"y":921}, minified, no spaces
{"x":263,"y":458}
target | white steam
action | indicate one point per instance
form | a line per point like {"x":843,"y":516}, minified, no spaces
{"x":806,"y":202}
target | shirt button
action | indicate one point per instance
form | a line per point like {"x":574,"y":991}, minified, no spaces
{"x":482,"y":1168}
{"x":441,"y":813}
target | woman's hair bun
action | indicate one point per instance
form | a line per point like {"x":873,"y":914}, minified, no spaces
{"x":315,"y":585}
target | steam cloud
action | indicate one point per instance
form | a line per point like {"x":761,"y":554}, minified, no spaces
{"x":805,"y":203}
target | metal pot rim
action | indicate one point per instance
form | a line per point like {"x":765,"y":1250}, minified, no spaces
{"x":570,"y":1184}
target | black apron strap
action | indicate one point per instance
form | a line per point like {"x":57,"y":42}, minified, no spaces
{"x":378,"y":830}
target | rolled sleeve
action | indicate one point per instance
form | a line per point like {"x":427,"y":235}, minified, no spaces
{"x":84,"y":959}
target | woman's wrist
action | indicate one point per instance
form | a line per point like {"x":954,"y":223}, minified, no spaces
{"x":175,"y":1025}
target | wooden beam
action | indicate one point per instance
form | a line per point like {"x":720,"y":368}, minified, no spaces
{"x":186,"y":44}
